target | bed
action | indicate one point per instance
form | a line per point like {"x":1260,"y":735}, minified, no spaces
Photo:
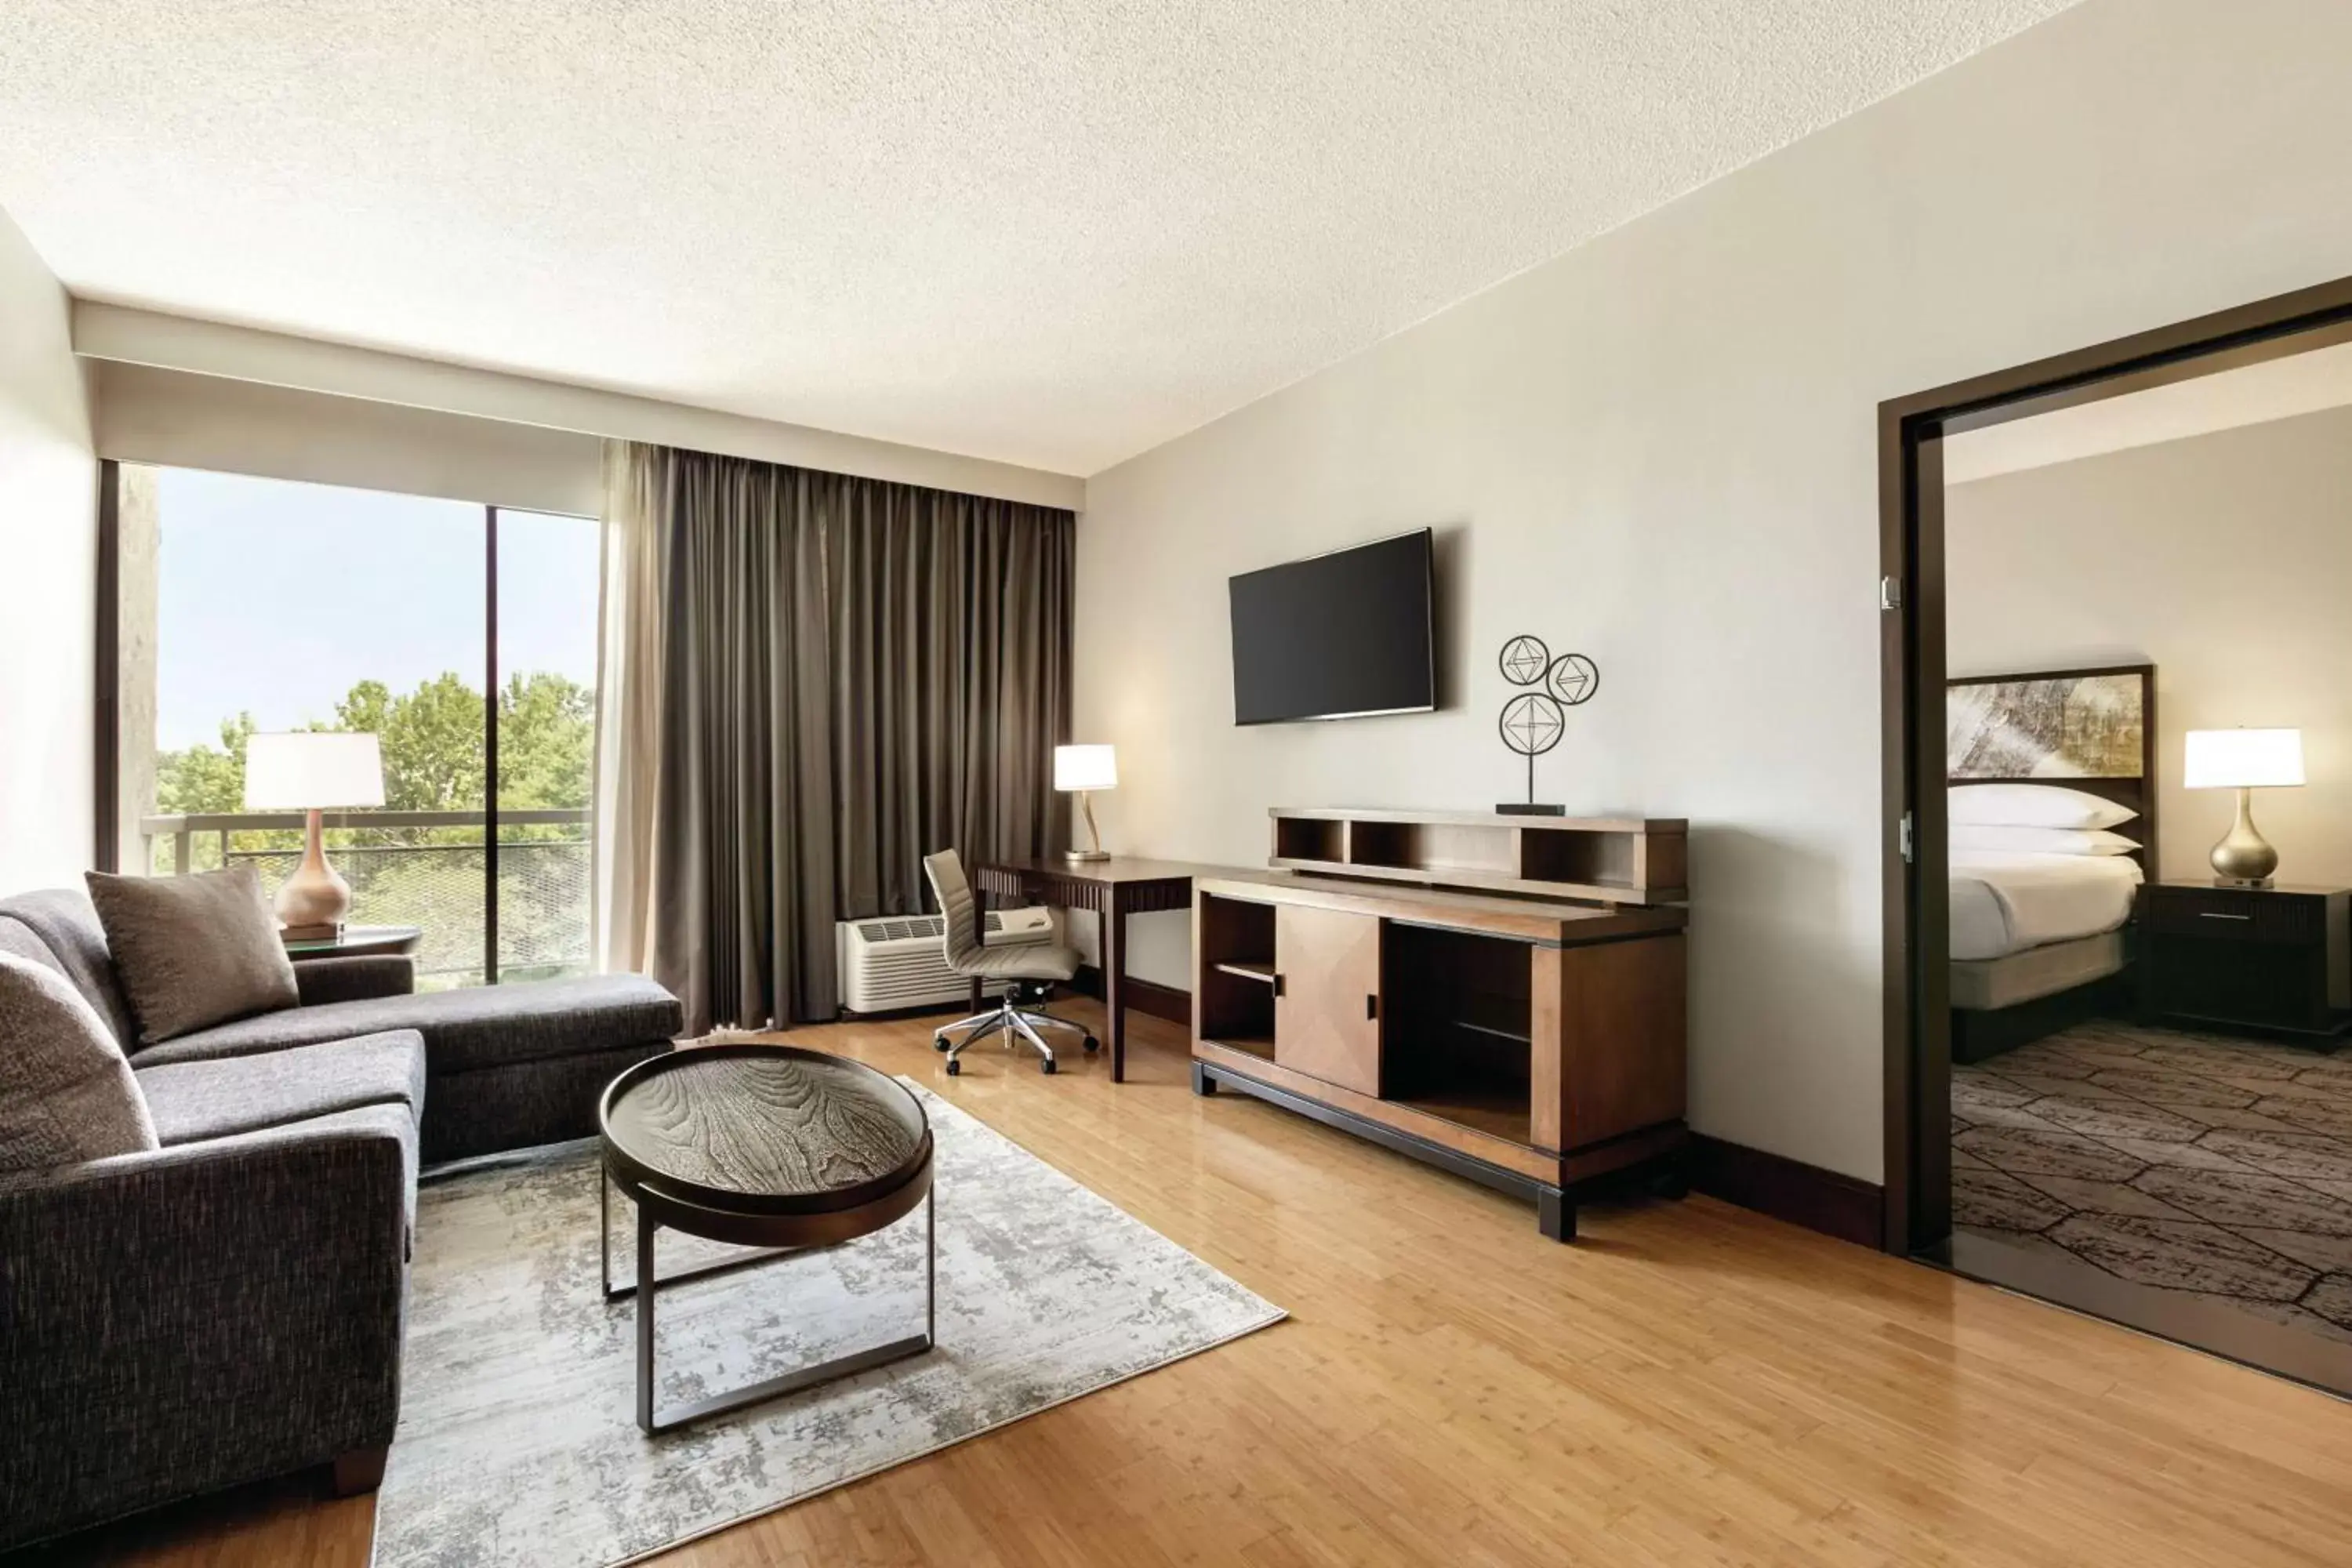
{"x":2042,"y":939}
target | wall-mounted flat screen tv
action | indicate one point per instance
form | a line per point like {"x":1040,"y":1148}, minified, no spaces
{"x":1342,"y":636}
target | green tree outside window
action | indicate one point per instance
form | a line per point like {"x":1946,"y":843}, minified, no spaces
{"x":434,"y":760}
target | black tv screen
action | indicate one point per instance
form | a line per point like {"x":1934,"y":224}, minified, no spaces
{"x":1336,"y":636}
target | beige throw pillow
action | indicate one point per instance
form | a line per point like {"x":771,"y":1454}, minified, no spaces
{"x":194,"y":951}
{"x":66,"y":1093}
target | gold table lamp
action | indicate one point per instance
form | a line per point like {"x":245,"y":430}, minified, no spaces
{"x":2245,"y":761}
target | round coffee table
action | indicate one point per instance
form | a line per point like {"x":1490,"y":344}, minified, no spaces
{"x":770,"y":1146}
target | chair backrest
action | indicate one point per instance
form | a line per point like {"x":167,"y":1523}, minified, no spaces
{"x":953,"y":891}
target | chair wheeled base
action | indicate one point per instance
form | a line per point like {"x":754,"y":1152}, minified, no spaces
{"x":1015,"y":1021}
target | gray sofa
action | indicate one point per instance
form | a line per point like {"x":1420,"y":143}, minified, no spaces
{"x":229,"y":1305}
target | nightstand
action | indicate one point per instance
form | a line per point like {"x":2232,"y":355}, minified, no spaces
{"x":2277,"y":959}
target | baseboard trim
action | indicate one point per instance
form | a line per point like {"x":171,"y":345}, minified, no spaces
{"x":1141,"y":996}
{"x":1827,"y":1201}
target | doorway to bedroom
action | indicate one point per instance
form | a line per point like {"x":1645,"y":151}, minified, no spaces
{"x":2120,"y":758}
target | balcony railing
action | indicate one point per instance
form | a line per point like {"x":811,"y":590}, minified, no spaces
{"x":400,"y":875}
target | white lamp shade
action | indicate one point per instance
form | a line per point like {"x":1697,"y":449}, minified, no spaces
{"x":1086,"y":768}
{"x":312,"y":769}
{"x":2244,"y":759}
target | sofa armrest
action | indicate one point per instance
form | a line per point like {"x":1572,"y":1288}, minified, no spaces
{"x":201,"y":1315}
{"x":322,"y":980}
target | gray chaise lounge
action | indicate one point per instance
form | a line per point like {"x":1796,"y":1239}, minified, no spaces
{"x":229,"y":1306}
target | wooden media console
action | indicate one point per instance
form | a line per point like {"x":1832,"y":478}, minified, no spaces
{"x":1535,"y":1045}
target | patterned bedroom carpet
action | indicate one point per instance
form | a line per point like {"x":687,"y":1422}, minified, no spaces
{"x":2206,"y":1165}
{"x":517,"y":1445}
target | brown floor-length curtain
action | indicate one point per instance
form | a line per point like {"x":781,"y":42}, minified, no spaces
{"x":853,"y":674}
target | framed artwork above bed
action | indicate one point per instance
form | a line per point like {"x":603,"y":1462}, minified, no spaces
{"x":2091,"y":729}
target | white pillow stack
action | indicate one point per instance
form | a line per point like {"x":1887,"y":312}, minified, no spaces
{"x":2037,"y":819}
{"x":2040,"y":840}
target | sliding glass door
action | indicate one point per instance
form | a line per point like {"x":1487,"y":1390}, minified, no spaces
{"x":463,"y":637}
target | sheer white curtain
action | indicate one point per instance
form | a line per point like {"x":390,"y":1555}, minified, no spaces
{"x":628,"y":706}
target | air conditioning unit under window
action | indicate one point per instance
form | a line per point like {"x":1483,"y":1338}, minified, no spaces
{"x":898,"y":961}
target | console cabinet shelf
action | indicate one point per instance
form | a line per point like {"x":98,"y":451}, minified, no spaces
{"x":1536,"y":1046}
{"x":1621,"y":860}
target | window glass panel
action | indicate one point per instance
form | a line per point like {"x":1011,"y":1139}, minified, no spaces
{"x":280,"y":606}
{"x":548,"y":570}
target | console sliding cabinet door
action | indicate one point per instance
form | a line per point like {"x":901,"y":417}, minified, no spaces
{"x":1326,"y":995}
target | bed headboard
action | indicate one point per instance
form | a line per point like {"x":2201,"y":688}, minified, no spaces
{"x":2092,"y":730}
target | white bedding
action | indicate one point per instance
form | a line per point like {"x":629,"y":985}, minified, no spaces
{"x":2004,"y":902}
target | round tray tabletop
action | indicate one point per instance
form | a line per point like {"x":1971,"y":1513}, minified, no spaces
{"x":763,"y":1129}
{"x":357,"y":942}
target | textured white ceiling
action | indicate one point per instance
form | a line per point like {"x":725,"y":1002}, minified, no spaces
{"x":1050,"y":234}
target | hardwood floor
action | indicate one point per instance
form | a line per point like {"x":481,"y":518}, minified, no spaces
{"x":1688,"y":1383}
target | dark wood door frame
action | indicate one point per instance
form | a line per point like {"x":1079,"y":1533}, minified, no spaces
{"x":1911,"y":431}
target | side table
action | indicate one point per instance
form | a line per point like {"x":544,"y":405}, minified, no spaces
{"x":358,"y":941}
{"x":2277,"y":959}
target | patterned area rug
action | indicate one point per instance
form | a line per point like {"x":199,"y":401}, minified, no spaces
{"x":518,"y":1442}
{"x":2211,"y":1167}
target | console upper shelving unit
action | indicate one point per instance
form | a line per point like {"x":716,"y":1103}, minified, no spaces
{"x":1616,"y":861}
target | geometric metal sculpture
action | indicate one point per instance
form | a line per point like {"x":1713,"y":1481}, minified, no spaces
{"x":1532,"y":722}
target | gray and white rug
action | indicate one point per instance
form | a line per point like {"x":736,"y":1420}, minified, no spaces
{"x":518,"y":1442}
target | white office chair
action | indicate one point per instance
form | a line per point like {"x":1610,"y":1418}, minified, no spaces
{"x":1033,"y":972}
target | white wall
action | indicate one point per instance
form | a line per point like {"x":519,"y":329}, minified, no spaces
{"x":2227,"y":561}
{"x":1660,"y":449}
{"x":49,"y":582}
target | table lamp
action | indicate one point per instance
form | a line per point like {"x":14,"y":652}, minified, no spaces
{"x":2245,"y":761}
{"x":310,"y":771}
{"x":1084,"y":769}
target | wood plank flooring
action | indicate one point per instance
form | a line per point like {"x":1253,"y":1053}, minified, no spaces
{"x":1689,"y":1384}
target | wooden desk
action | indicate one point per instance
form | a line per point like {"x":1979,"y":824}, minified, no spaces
{"x":1113,"y":890}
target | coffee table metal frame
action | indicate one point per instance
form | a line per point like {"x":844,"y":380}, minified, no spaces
{"x":661,"y":1202}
